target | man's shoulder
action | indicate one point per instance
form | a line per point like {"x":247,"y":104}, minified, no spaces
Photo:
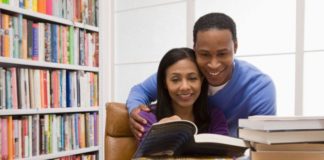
{"x":250,"y":71}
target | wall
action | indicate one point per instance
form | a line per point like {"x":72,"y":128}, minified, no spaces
{"x":144,"y":31}
{"x":282,"y":38}
{"x":314,"y":56}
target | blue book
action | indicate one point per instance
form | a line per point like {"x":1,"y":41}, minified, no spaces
{"x":30,"y":38}
{"x":54,"y":42}
{"x":8,"y":90}
{"x":68,"y":89}
{"x":76,"y":132}
{"x":20,"y":34}
{"x":35,"y":42}
{"x":21,"y":4}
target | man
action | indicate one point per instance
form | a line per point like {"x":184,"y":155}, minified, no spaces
{"x":238,"y":88}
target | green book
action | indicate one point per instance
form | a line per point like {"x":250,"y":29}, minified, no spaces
{"x":71,"y":45}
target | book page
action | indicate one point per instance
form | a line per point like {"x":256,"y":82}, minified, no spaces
{"x":215,"y":145}
{"x":271,"y":117}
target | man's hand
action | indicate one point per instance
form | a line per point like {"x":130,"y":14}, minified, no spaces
{"x":137,"y":122}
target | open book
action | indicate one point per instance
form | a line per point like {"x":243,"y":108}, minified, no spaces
{"x":180,"y":138}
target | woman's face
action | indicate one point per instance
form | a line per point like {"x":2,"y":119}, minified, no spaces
{"x":183,"y":82}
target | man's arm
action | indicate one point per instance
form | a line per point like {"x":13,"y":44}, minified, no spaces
{"x":139,"y":97}
{"x":264,"y":100}
{"x":143,"y":93}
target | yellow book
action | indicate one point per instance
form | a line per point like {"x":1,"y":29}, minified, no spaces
{"x":82,"y":137}
{"x":6,"y":37}
{"x":26,"y":4}
{"x":35,"y":5}
{"x":10,"y":138}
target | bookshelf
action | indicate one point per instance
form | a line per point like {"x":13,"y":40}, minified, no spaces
{"x":66,"y":114}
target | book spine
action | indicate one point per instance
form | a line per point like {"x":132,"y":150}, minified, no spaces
{"x":35,"y":42}
{"x":30,"y":39}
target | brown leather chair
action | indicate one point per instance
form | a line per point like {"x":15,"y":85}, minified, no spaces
{"x":120,"y":144}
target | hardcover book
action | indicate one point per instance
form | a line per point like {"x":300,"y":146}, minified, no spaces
{"x":282,"y":122}
{"x":180,"y":138}
{"x":276,"y":137}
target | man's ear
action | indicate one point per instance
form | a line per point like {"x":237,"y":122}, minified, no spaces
{"x":235,"y":47}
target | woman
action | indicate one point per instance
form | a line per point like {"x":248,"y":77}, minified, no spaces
{"x":182,"y":94}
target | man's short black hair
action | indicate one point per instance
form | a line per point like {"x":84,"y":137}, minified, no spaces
{"x":215,"y":21}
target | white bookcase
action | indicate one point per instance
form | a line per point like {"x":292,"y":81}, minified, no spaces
{"x":104,"y":79}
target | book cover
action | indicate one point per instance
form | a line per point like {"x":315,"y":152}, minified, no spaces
{"x":284,"y":155}
{"x":282,"y":122}
{"x":288,"y":147}
{"x":180,"y":138}
{"x":273,"y":137}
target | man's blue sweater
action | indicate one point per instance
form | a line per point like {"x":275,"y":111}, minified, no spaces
{"x":248,"y":92}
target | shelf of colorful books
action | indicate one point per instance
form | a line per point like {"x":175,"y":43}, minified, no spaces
{"x":13,"y":112}
{"x":49,"y":136}
{"x":50,"y":18}
{"x":64,"y":153}
{"x":31,"y":63}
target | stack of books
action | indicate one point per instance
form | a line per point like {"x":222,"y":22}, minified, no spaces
{"x":281,"y":138}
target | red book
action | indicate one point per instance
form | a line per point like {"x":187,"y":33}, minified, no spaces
{"x":14,"y":88}
{"x":49,"y":5}
{"x":45,"y":87}
{"x":4,"y":137}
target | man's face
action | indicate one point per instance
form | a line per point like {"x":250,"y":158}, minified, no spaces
{"x":215,"y":51}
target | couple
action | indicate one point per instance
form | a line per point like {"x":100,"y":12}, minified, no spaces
{"x":236,"y":88}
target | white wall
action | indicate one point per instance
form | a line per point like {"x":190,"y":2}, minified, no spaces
{"x":314,"y":57}
{"x":144,"y":31}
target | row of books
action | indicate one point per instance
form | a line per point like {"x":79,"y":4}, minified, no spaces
{"x":281,"y":138}
{"x":28,"y":39}
{"x":79,"y":157}
{"x":28,"y":136}
{"x":83,"y":11}
{"x":26,"y":88}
